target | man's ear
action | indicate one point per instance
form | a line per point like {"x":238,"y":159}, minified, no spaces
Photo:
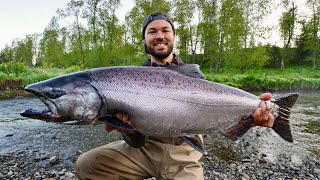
{"x":144,"y":42}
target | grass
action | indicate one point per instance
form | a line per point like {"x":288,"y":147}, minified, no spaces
{"x":267,"y":79}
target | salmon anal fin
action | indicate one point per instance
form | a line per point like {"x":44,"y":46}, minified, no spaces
{"x":237,"y":131}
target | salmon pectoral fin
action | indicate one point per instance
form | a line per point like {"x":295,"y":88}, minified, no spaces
{"x":235,"y":132}
{"x":281,"y":124}
{"x":194,"y":142}
{"x":115,"y":122}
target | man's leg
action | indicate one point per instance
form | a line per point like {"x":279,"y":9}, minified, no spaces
{"x":176,"y":160}
{"x":116,"y":160}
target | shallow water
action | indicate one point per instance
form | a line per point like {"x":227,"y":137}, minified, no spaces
{"x":18,"y":133}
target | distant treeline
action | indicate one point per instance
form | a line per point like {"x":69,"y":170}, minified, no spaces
{"x":218,"y":34}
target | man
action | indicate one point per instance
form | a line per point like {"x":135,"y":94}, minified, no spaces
{"x":165,"y":157}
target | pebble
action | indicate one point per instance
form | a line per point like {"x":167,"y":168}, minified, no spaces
{"x":54,"y":160}
{"x":249,"y":168}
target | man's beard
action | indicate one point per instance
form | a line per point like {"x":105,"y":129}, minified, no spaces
{"x":159,"y":55}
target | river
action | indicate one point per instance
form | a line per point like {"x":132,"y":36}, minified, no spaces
{"x":22,"y":134}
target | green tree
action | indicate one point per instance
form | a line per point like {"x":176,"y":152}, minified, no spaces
{"x":111,"y":32}
{"x":253,"y":11}
{"x":77,"y":49}
{"x":287,"y":25}
{"x":51,"y":48}
{"x":313,"y":43}
{"x":210,"y":35}
{"x":232,"y":21}
{"x":183,"y":14}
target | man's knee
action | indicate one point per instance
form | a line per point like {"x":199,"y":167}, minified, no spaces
{"x":82,"y":164}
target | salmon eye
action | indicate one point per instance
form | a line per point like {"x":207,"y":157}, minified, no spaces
{"x":53,"y":94}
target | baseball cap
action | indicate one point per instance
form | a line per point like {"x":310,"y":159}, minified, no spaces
{"x":156,"y":16}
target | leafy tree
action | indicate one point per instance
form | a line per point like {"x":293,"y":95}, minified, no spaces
{"x":111,"y":32}
{"x":183,"y":14}
{"x":74,"y":10}
{"x":287,"y":24}
{"x":232,"y":21}
{"x":313,"y":43}
{"x":211,"y":36}
{"x":52,"y":49}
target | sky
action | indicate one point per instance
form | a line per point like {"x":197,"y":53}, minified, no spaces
{"x":21,"y":17}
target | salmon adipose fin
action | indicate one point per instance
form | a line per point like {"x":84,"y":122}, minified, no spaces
{"x":281,"y":124}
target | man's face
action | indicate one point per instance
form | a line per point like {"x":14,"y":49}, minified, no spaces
{"x":159,"y":38}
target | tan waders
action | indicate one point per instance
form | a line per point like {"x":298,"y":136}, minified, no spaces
{"x":163,"y":158}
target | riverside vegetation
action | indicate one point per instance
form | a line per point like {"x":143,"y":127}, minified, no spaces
{"x":15,"y":76}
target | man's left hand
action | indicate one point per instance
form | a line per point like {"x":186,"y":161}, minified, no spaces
{"x":262,"y":115}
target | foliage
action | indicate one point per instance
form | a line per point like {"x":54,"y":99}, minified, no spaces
{"x":15,"y":68}
{"x":265,"y":79}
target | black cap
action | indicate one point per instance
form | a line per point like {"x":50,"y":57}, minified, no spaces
{"x":156,"y":16}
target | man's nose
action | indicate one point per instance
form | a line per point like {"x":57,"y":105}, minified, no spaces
{"x":159,"y":36}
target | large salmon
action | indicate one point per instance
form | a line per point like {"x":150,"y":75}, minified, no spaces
{"x":160,"y":101}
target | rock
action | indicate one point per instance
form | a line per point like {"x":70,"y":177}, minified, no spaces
{"x":54,"y":160}
{"x":10,"y":173}
{"x":2,"y":175}
{"x":264,"y":155}
{"x":263,"y":161}
{"x":62,"y":172}
{"x":246,"y":160}
{"x":69,"y":175}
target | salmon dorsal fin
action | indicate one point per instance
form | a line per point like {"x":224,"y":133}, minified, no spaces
{"x":192,"y":70}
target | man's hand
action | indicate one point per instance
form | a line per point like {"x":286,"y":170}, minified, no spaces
{"x":123,"y":117}
{"x":262,"y":115}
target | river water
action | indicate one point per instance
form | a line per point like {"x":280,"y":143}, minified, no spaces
{"x":22,"y":134}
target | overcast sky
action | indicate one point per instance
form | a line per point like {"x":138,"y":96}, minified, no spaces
{"x":21,"y":17}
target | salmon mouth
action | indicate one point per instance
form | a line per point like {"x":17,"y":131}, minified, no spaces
{"x":46,"y":115}
{"x":49,"y":115}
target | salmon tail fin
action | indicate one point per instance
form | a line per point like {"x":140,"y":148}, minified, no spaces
{"x":235,"y":132}
{"x":281,"y":124}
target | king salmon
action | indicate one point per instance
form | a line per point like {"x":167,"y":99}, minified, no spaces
{"x":160,"y":101}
